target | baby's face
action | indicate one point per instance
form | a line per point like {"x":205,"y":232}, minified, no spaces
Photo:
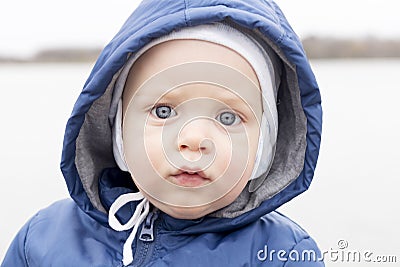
{"x":190,"y":142}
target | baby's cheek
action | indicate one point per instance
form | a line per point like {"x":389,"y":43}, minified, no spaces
{"x":252,"y":131}
{"x":223,"y":156}
{"x":154,"y":147}
{"x":242,"y":152}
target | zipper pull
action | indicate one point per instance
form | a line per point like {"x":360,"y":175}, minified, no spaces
{"x":147,"y":232}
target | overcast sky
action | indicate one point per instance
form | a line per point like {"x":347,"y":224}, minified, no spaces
{"x":26,"y":25}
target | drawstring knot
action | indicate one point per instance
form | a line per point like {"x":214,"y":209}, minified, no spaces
{"x":140,"y":214}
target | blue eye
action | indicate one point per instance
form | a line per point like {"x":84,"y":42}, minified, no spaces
{"x":163,"y":112}
{"x":228,"y":118}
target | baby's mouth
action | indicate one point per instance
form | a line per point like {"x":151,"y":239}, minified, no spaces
{"x":189,"y":178}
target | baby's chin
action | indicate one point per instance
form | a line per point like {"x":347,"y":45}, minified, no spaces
{"x":185,"y":213}
{"x":192,"y":213}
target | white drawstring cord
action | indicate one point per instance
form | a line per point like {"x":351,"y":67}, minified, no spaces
{"x":140,"y":214}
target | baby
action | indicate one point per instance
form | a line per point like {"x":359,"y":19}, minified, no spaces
{"x":173,"y":155}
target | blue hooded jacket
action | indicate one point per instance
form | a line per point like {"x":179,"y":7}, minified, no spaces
{"x":249,"y":232}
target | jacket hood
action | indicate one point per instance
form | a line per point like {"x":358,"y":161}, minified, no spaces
{"x":87,"y":149}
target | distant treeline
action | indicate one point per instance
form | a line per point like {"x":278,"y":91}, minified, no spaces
{"x":68,"y":54}
{"x":351,"y":48}
{"x":59,"y":55}
{"x":316,"y":47}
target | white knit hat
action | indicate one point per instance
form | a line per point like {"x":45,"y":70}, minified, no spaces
{"x":260,"y":57}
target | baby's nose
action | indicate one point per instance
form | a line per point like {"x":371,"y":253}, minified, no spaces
{"x":195,"y":139}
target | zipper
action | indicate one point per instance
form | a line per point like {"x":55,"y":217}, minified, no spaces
{"x":146,"y":240}
{"x":147,"y":232}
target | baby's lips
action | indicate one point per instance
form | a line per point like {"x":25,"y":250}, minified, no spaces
{"x":192,"y":170}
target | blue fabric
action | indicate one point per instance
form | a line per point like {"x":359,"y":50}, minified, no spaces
{"x":71,"y":238}
{"x":74,"y":233}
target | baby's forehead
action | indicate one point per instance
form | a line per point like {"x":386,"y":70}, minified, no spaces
{"x":176,"y":52}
